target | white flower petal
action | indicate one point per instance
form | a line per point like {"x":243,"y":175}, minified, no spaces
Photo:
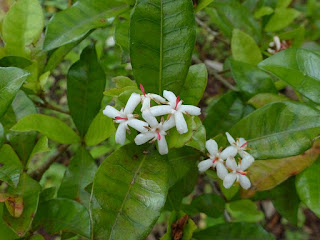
{"x":231,"y":163}
{"x":145,"y":104}
{"x":160,"y":110}
{"x":143,"y":138}
{"x":205,"y":165}
{"x":191,"y":110}
{"x":212,"y":147}
{"x":132,"y":103}
{"x":230,"y":151}
{"x":242,"y":153}
{"x":170,"y":96}
{"x":157,"y":98}
{"x":221,"y":170}
{"x":230,"y":138}
{"x":244,"y":182}
{"x":138,"y":125}
{"x":121,"y":133}
{"x":162,"y":145}
{"x":229,"y":180}
{"x":111,"y":112}
{"x":169,"y":124}
{"x":276,"y":40}
{"x":153,"y":122}
{"x":246,"y":162}
{"x":181,"y":124}
{"x":241,"y":142}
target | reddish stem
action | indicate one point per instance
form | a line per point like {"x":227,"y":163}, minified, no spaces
{"x":120,"y":118}
{"x":142,"y":89}
{"x":177,"y":102}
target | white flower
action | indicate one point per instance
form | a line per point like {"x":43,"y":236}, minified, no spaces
{"x":125,"y":117}
{"x":274,"y":46}
{"x":146,"y":97}
{"x":175,"y":109}
{"x":156,"y":132}
{"x":238,"y":172}
{"x":240,"y":145}
{"x":216,"y":158}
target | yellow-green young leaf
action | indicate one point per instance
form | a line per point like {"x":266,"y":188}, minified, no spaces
{"x":262,"y":99}
{"x":244,"y":211}
{"x":283,"y":3}
{"x":161,"y":43}
{"x":137,"y":186}
{"x":22,"y":26}
{"x":75,"y":22}
{"x":100,"y":129}
{"x":263,"y":11}
{"x":11,"y":80}
{"x":307,"y":184}
{"x":244,"y":48}
{"x":281,"y":18}
{"x":52,"y":127}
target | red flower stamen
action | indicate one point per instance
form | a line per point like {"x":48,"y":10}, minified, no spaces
{"x":159,"y":136}
{"x":243,"y":145}
{"x":242,"y":173}
{"x":177,"y":102}
{"x":142,"y":89}
{"x":120,"y":118}
{"x":214,"y":160}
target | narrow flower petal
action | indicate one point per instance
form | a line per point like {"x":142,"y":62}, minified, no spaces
{"x":157,"y":98}
{"x":246,"y":162}
{"x":111,"y":112}
{"x":170,"y":96}
{"x":244,"y":182}
{"x":180,"y":123}
{"x":242,"y":153}
{"x":153,"y":122}
{"x":192,"y":110}
{"x":143,"y":138}
{"x":276,"y":40}
{"x":160,"y":110}
{"x":121,"y":133}
{"x":230,"y":138}
{"x":162,"y":145}
{"x":132,"y":103}
{"x":145,"y":104}
{"x":230,"y":151}
{"x":169,"y":124}
{"x":138,"y":125}
{"x":212,"y":147}
{"x":221,"y":170}
{"x":205,"y":165}
{"x":229,"y":180}
{"x":231,"y":163}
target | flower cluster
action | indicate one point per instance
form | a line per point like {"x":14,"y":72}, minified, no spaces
{"x":150,"y":129}
{"x":224,"y":161}
{"x":277,"y":45}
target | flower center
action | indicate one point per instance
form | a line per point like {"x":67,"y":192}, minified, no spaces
{"x":159,"y":136}
{"x":243,"y":145}
{"x":142,"y":89}
{"x":177,"y":102}
{"x":214,"y":160}
{"x":242,"y":173}
{"x":121,"y":118}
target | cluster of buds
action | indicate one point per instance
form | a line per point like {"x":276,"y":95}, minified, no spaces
{"x":150,"y":129}
{"x":277,"y":45}
{"x":225,"y":163}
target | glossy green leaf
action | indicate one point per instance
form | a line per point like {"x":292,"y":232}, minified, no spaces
{"x":121,"y":34}
{"x":274,"y":131}
{"x":100,"y":129}
{"x":297,"y":67}
{"x":61,"y":214}
{"x":11,"y":81}
{"x":210,"y":204}
{"x":251,"y":80}
{"x":162,"y":38}
{"x":2,"y":137}
{"x":5,"y":232}
{"x":244,"y":48}
{"x":281,"y":18}
{"x":85,"y":85}
{"x":14,"y":61}
{"x":307,"y":184}
{"x":223,"y":114}
{"x":75,"y":22}
{"x":79,"y":174}
{"x":198,"y":139}
{"x":137,"y":189}
{"x":262,"y":99}
{"x":22,"y":26}
{"x":40,"y":147}
{"x":244,"y":210}
{"x":10,"y":165}
{"x":52,"y":127}
{"x":234,"y":231}
{"x":195,"y":84}
{"x":29,"y":190}
{"x":263,"y":11}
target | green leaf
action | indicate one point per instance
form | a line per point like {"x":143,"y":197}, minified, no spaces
{"x":263,"y":11}
{"x":195,"y":84}
{"x":22,"y":26}
{"x":63,"y":215}
{"x":296,"y":36}
{"x":40,"y":147}
{"x":14,"y":61}
{"x":11,"y":81}
{"x":250,"y":79}
{"x":85,"y":85}
{"x":275,"y":130}
{"x":162,"y":38}
{"x":223,"y":114}
{"x":37,"y":237}
{"x":100,"y":129}
{"x":297,"y":68}
{"x":2,"y":137}
{"x":10,"y":166}
{"x":5,"y":231}
{"x":121,"y":34}
{"x":198,"y":139}
{"x":283,"y":3}
{"x":79,"y":174}
{"x":137,"y":189}
{"x":75,"y":22}
{"x":29,"y":190}
{"x":244,"y":48}
{"x":210,"y":204}
{"x":262,"y":99}
{"x":307,"y":184}
{"x":244,"y":210}
{"x":281,"y":18}
{"x":202,"y":4}
{"x":234,"y":231}
{"x":52,"y":127}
